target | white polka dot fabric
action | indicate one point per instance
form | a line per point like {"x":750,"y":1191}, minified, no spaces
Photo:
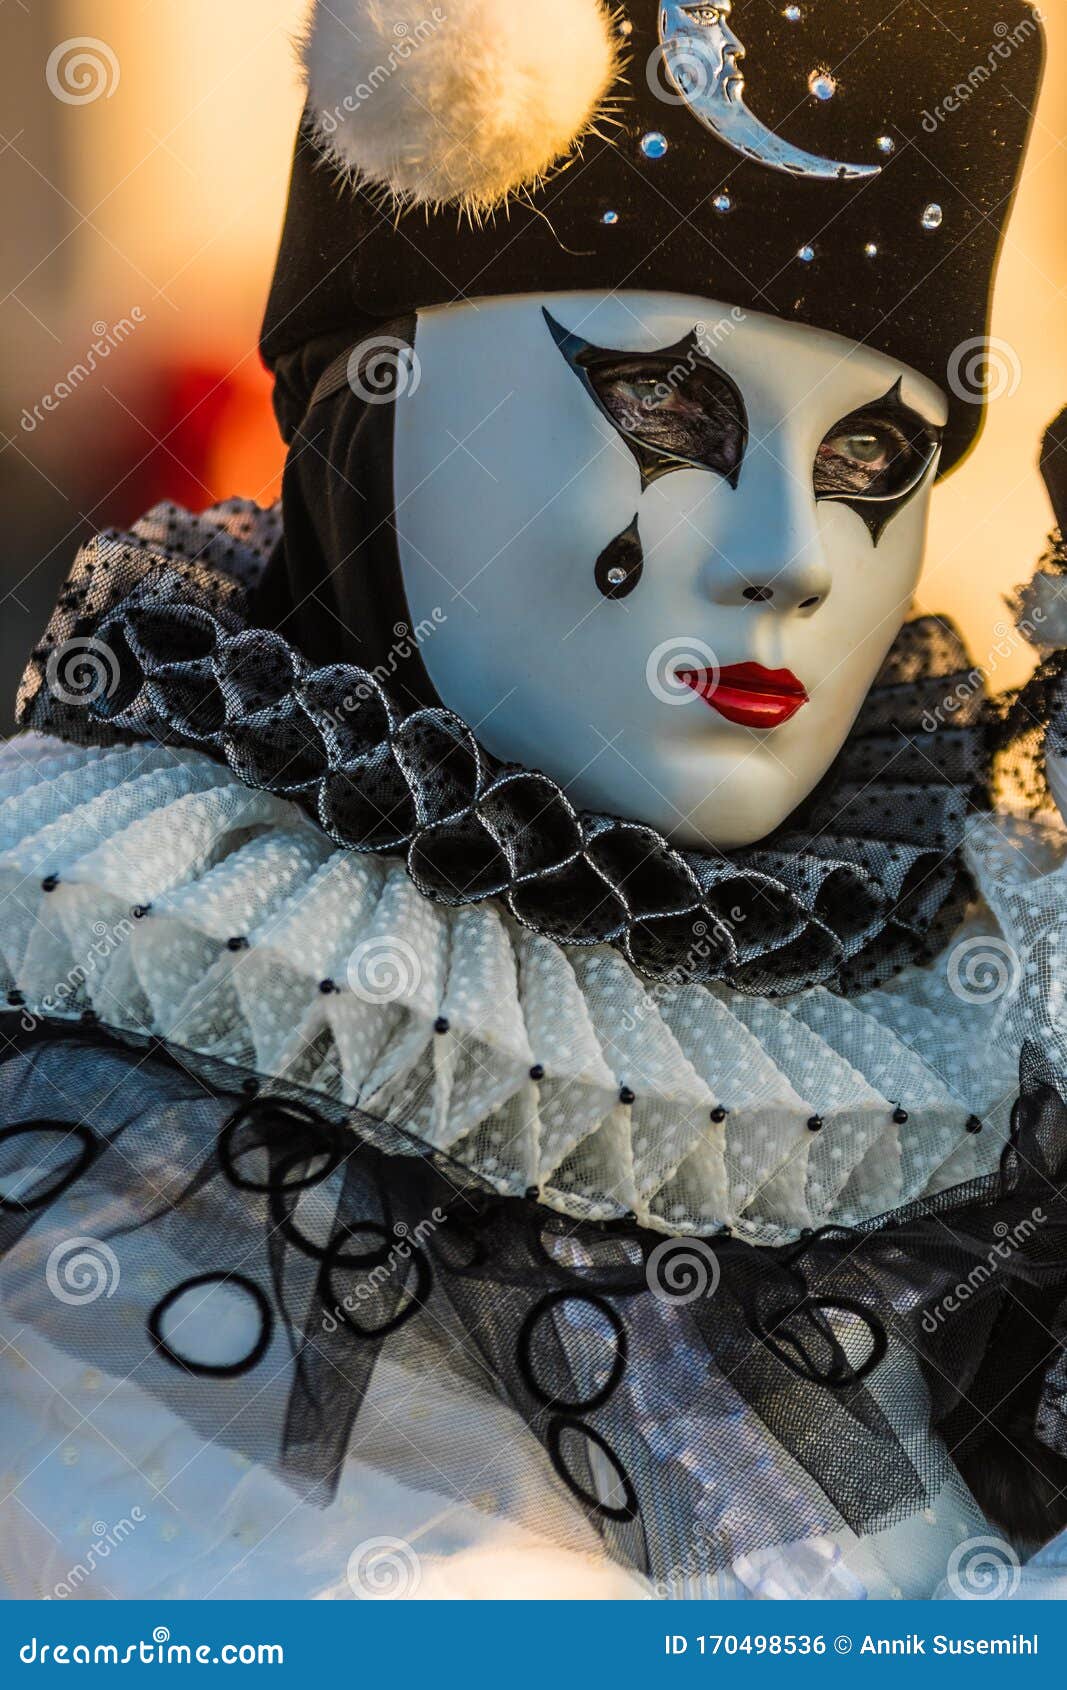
{"x":107,"y":1494}
{"x":149,"y":886}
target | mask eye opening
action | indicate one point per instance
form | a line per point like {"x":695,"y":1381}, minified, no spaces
{"x":914,"y":445}
{"x":697,"y":417}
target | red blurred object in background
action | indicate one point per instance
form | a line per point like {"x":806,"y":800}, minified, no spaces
{"x":197,"y":433}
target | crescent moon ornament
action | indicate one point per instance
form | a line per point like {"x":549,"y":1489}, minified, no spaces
{"x":702,"y":57}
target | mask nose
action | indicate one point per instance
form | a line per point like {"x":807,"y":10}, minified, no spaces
{"x":771,"y":556}
{"x":795,"y":587}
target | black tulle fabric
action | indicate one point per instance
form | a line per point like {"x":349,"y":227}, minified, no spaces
{"x":795,"y":1391}
{"x":1030,"y":722}
{"x":865,"y":878}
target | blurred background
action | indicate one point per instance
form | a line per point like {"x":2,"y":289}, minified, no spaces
{"x":141,"y":208}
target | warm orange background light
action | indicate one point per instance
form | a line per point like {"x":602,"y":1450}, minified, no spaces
{"x":176,"y":186}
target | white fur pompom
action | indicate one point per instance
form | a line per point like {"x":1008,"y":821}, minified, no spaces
{"x":456,"y":101}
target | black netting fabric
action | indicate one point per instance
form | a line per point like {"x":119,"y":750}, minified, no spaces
{"x":150,"y":640}
{"x":1029,"y":722}
{"x":684,"y":1402}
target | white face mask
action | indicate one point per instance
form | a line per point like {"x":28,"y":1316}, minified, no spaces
{"x":700,"y":670}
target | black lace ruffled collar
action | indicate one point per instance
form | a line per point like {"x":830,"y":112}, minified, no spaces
{"x":150,"y":639}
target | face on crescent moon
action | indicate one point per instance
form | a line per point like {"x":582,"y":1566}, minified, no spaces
{"x":702,"y":58}
{"x":663,"y":546}
{"x":722,"y":49}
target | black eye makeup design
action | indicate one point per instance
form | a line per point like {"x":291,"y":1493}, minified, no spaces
{"x":874,"y":459}
{"x":674,"y":408}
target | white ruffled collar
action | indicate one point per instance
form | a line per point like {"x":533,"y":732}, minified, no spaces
{"x":255,"y":940}
{"x":154,"y":638}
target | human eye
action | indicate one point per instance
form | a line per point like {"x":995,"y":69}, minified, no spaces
{"x":875,"y":459}
{"x":675,"y":408}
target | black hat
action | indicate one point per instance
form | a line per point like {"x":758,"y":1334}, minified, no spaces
{"x":867,"y":197}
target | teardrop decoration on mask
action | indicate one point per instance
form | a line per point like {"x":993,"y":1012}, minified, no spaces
{"x":621,"y":564}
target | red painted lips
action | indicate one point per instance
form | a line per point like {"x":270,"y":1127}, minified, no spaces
{"x":748,"y":694}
